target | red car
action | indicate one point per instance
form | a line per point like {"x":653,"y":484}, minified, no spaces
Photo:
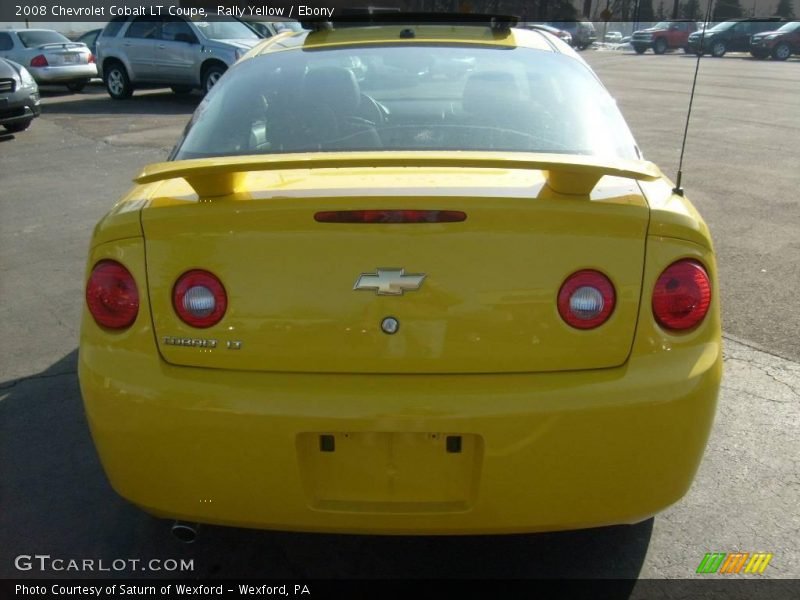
{"x":780,"y":44}
{"x":667,"y":35}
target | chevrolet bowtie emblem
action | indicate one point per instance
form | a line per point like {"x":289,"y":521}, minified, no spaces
{"x":389,"y":282}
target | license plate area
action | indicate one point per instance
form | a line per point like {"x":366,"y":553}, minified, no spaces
{"x":398,"y":472}
{"x":70,"y":59}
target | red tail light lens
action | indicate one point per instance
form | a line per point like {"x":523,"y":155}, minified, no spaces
{"x":112,"y":296}
{"x":39,"y":61}
{"x":199,"y":299}
{"x":682,"y":295}
{"x":390,"y":216}
{"x":586,"y":299}
{"x":91,"y":58}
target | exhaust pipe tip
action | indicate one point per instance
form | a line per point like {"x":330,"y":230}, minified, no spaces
{"x":184,"y":532}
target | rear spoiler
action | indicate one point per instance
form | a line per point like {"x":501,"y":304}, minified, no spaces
{"x":565,"y":174}
{"x":64,"y":45}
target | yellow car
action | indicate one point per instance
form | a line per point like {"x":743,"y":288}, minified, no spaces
{"x":439,"y":293}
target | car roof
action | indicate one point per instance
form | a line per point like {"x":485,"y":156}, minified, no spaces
{"x":397,"y":34}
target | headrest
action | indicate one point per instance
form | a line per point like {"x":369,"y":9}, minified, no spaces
{"x":335,"y":87}
{"x":489,"y":90}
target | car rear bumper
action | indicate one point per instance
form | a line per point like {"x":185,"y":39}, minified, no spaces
{"x":63,"y":74}
{"x":538,"y":452}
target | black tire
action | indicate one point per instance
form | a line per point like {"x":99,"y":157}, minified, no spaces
{"x":17,"y":127}
{"x":660,"y":46}
{"x":211,"y":75}
{"x":782,"y":51}
{"x":182,"y":90}
{"x":718,"y":49}
{"x":640,"y":49}
{"x":117,"y":81}
{"x":687,"y":50}
{"x":77,"y":86}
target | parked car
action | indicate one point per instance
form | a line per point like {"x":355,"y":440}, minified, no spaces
{"x":730,"y":36}
{"x":90,"y":39}
{"x":583,"y":32}
{"x":780,"y":44}
{"x":19,"y":97}
{"x":666,"y":35}
{"x":414,"y":308}
{"x":613,"y":37}
{"x":49,"y":56}
{"x":564,"y":36}
{"x":178,"y":52}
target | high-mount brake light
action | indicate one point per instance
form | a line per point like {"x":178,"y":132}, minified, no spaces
{"x":390,"y":216}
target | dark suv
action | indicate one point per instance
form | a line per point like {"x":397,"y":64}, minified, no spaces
{"x":583,"y":32}
{"x":780,"y":44}
{"x":731,"y":36}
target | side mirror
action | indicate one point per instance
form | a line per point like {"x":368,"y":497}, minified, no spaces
{"x":186,"y":37}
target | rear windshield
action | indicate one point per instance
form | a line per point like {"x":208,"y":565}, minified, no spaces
{"x":417,"y":97}
{"x":32,"y":39}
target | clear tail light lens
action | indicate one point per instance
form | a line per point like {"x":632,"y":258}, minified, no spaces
{"x":586,"y":299}
{"x":112,"y":295}
{"x":682,"y":295}
{"x":199,"y":298}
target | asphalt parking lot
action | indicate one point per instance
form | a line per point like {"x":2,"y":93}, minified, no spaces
{"x":59,"y":177}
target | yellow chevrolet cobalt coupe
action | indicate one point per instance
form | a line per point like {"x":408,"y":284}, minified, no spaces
{"x":403,"y":279}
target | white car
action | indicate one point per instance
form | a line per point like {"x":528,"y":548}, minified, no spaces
{"x":49,"y":56}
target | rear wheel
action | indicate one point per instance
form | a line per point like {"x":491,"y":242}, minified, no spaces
{"x":718,"y":49}
{"x":781,"y":52}
{"x":182,"y":89}
{"x":660,"y":46}
{"x":640,"y":49}
{"x":117,"y":82}
{"x":77,"y":86}
{"x":17,"y":127}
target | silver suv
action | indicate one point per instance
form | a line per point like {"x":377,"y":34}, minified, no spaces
{"x":169,"y":51}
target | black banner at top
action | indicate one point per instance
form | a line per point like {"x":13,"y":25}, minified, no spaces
{"x":31,"y":12}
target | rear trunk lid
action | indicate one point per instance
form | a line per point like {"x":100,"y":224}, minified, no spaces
{"x":487,"y":303}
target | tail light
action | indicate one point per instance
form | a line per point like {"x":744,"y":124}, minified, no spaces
{"x":112,"y":296}
{"x":199,"y":299}
{"x":586,"y":299}
{"x":682,"y":295}
{"x":91,"y":58}
{"x":390,"y":216}
{"x":39,"y":61}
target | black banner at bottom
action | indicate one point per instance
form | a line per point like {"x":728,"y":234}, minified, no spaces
{"x":596,"y":589}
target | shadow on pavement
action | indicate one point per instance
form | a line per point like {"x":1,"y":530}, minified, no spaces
{"x":95,"y":101}
{"x":57,"y":501}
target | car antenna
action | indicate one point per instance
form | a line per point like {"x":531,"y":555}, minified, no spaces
{"x":678,"y":189}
